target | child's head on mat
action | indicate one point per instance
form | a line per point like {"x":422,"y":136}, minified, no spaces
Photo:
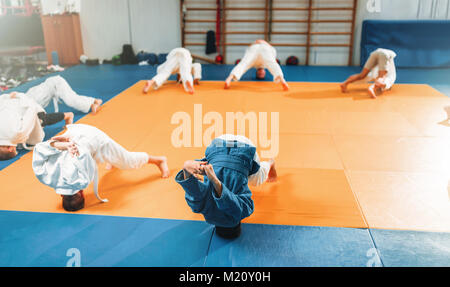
{"x":7,"y":152}
{"x":74,"y":202}
{"x":260,"y":74}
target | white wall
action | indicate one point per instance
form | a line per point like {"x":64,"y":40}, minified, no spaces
{"x":104,"y":27}
{"x":58,"y":6}
{"x":154,"y":25}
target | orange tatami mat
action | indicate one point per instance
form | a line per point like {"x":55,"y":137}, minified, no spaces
{"x":344,"y":160}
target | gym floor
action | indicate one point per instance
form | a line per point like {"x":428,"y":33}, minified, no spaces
{"x":362,"y":183}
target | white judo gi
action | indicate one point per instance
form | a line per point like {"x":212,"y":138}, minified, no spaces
{"x":263,"y":173}
{"x":259,"y":56}
{"x":91,"y":142}
{"x":56,"y":89}
{"x":382,"y":60}
{"x":19,"y":122}
{"x":179,"y":61}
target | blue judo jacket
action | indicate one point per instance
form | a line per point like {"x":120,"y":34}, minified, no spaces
{"x":233,"y":163}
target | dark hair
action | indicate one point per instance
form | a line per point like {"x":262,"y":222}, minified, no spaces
{"x":6,"y":154}
{"x":229,"y":232}
{"x":74,"y":202}
{"x":258,"y":78}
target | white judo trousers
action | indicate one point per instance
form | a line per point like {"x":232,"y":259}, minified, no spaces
{"x":104,"y":149}
{"x":179,"y":61}
{"x":263,"y":173}
{"x":382,"y":60}
{"x":56,"y":89}
{"x":259,"y":56}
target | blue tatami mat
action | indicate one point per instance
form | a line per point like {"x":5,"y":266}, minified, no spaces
{"x":412,"y":248}
{"x":43,"y":240}
{"x":293,"y":246}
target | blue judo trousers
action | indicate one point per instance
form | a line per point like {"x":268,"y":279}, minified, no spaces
{"x":233,"y":163}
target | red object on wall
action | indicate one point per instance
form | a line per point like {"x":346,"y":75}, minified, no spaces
{"x":219,"y":59}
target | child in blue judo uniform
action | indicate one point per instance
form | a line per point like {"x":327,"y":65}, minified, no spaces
{"x":224,"y":198}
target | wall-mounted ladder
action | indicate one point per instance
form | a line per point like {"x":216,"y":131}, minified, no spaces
{"x":312,"y":16}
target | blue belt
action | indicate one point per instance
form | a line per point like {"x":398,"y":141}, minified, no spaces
{"x":231,"y":162}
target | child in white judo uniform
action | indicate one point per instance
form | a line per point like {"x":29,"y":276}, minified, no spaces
{"x":22,"y":121}
{"x":261,"y":55}
{"x":68,"y":163}
{"x":179,"y":61}
{"x":380,"y":69}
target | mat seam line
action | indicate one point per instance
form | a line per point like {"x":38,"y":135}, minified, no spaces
{"x":209,"y":247}
{"x":355,"y":196}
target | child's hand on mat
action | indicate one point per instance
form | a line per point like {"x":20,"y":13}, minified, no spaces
{"x":148,"y":86}
{"x":227,"y":83}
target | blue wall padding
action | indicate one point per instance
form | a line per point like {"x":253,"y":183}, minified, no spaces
{"x":42,"y":240}
{"x":292,"y":246}
{"x":412,"y":248}
{"x":418,"y":44}
{"x":162,"y":58}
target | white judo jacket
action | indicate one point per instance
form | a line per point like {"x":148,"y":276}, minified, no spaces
{"x":382,"y":60}
{"x":19,"y":123}
{"x":62,"y":171}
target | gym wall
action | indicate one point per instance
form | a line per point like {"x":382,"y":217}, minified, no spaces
{"x":154,"y":25}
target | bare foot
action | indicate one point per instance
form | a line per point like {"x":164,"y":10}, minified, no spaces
{"x":148,"y":86}
{"x":273,"y":172}
{"x":161,"y":162}
{"x":68,"y":118}
{"x":96,"y":105}
{"x":344,"y":88}
{"x":371,"y":91}
{"x":197,"y":82}
{"x":189,"y":88}
{"x":285,"y":86}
